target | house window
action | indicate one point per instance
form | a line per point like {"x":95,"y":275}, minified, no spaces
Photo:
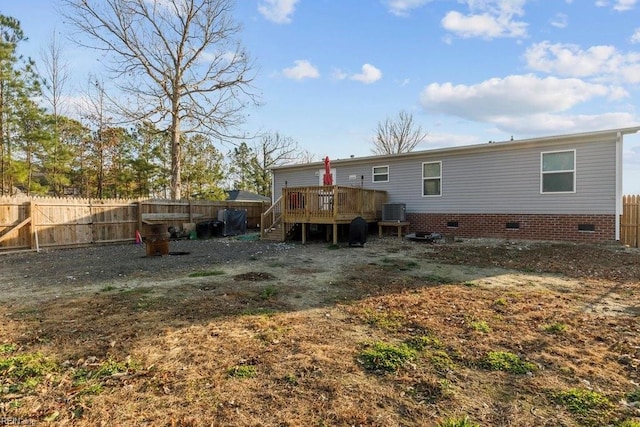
{"x":558,"y":172}
{"x":381,"y":174}
{"x":432,"y":179}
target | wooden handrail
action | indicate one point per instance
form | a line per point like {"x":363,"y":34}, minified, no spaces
{"x":275,"y":212}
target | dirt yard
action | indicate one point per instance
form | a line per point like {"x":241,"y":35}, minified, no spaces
{"x":231,"y":332}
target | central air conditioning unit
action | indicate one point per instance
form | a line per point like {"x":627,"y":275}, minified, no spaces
{"x":394,"y":212}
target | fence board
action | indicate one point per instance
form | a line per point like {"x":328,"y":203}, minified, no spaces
{"x":630,"y":221}
{"x":76,"y":222}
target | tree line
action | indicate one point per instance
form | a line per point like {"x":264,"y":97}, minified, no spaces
{"x":109,"y":149}
{"x":182,"y":81}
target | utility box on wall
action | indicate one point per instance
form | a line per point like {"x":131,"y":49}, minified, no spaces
{"x":394,"y":212}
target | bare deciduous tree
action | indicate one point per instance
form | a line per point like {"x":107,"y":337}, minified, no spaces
{"x":273,"y":150}
{"x":179,"y":60}
{"x":397,"y":136}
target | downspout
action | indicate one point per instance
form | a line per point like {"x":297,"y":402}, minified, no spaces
{"x":618,"y":183}
{"x":273,"y":188}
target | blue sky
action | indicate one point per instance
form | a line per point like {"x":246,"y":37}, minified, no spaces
{"x":469,"y":71}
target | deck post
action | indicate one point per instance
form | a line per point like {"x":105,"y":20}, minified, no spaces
{"x":335,"y":233}
{"x":304,"y":233}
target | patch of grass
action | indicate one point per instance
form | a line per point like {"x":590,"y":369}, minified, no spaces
{"x":242,"y":371}
{"x":629,"y":423}
{"x":434,"y":279}
{"x":8,"y":348}
{"x":480,"y":326}
{"x":500,"y":302}
{"x":554,"y":328}
{"x":333,"y":247}
{"x":24,"y":371}
{"x":442,"y":362}
{"x":390,"y":321}
{"x":587,"y":404}
{"x":458,"y":422}
{"x":111,"y":366}
{"x":137,"y":291}
{"x":385,"y":357}
{"x":269,"y":292}
{"x":470,"y":284}
{"x":258,"y":311}
{"x":424,"y":342}
{"x":430,"y":391}
{"x":107,"y":288}
{"x":634,"y":396}
{"x":207,"y":273}
{"x":506,"y":361}
{"x":291,"y":379}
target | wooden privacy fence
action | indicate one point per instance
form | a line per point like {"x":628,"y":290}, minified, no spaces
{"x":630,"y":221}
{"x":34,"y":222}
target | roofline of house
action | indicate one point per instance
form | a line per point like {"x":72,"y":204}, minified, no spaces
{"x":584,"y":136}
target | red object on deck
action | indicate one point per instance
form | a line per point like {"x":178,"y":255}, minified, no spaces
{"x":327,"y":179}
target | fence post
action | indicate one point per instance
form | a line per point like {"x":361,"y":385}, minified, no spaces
{"x":139,"y":216}
{"x":32,"y":240}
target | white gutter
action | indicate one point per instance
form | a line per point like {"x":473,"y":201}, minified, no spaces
{"x":619,"y":148}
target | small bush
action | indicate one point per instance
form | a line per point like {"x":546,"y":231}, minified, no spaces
{"x":424,"y":342}
{"x":480,"y":326}
{"x":585,"y":403}
{"x":555,"y":328}
{"x":501,"y":302}
{"x":7,"y":348}
{"x":381,"y":356}
{"x":506,"y":361}
{"x":442,"y":362}
{"x":268,"y":292}
{"x":629,"y":423}
{"x":458,"y":422}
{"x":242,"y":371}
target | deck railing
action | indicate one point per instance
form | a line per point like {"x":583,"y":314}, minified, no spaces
{"x":331,"y":203}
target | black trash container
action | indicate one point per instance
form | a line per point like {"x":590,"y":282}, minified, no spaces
{"x":204,"y":230}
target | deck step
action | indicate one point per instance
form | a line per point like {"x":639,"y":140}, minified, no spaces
{"x":275,"y":234}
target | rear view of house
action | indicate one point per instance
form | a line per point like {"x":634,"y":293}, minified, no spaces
{"x":566,"y":187}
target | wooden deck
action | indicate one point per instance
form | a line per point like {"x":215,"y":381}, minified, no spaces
{"x":329,"y":205}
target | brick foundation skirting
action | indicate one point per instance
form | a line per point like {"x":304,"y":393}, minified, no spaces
{"x":574,"y":228}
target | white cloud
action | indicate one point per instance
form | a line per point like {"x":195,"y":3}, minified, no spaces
{"x":442,"y":140}
{"x":622,"y":5}
{"x":635,"y":38}
{"x":278,"y":11}
{"x":603,"y":62}
{"x":369,"y":74}
{"x":302,"y":69}
{"x":619,"y":5}
{"x":402,"y":7}
{"x":547,"y":124}
{"x":560,"y":20}
{"x":488,"y":19}
{"x":513,"y":96}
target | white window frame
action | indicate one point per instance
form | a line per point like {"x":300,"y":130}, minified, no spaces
{"x":543,"y":173}
{"x":431,"y":177}
{"x":374,"y":174}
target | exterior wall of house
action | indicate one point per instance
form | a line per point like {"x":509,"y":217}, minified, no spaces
{"x":487,"y":186}
{"x":575,"y":228}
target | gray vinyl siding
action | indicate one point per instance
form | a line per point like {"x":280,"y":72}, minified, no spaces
{"x":504,"y":179}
